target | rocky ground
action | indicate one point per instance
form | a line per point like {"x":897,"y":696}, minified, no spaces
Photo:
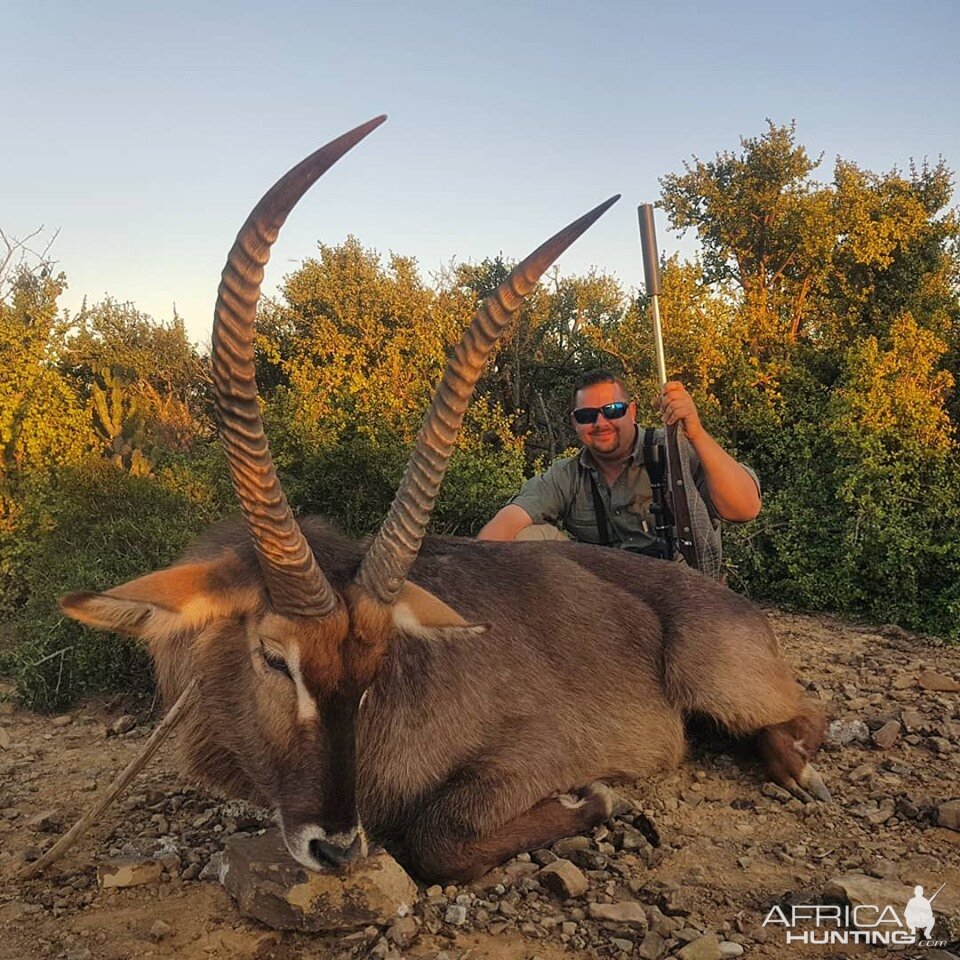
{"x":689,"y":866}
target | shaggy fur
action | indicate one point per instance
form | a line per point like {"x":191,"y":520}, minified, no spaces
{"x":590,"y":663}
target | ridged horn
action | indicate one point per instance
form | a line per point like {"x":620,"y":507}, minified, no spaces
{"x":391,"y":554}
{"x":296,"y":585}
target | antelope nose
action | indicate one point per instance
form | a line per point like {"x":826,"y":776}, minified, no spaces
{"x":337,"y":853}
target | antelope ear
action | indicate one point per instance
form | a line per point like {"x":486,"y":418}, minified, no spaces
{"x":419,"y":612}
{"x":182,"y":597}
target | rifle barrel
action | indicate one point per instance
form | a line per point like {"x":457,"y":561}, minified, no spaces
{"x":651,"y":277}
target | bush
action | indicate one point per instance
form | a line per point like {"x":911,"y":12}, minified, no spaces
{"x":93,"y":528}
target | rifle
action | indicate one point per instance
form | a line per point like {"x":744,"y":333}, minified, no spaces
{"x":671,"y":511}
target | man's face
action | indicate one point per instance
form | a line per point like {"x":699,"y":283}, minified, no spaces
{"x":606,"y":439}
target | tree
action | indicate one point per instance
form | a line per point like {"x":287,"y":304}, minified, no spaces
{"x":144,"y":381}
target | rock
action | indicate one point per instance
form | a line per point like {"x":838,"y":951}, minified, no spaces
{"x":912,"y":719}
{"x":128,"y":872}
{"x":564,"y":879}
{"x":403,"y":931}
{"x":652,"y":948}
{"x":628,"y":912}
{"x":775,"y":792}
{"x":884,"y":812}
{"x":49,"y":821}
{"x":544,"y":856}
{"x":931,"y":680}
{"x":730,"y":949}
{"x":121,"y":725}
{"x":887,"y":735}
{"x":271,"y":887}
{"x":857,"y":889}
{"x":563,"y":848}
{"x":624,"y":946}
{"x":842,"y":732}
{"x":159,"y":931}
{"x":215,"y":869}
{"x":456,"y":914}
{"x":518,"y":870}
{"x":62,"y":721}
{"x":948,"y":815}
{"x":4,"y":739}
{"x":703,"y":948}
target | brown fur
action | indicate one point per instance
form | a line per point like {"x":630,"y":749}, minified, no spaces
{"x":591,"y":661}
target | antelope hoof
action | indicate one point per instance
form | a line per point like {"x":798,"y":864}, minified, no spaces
{"x":814,"y":783}
{"x":808,"y":786}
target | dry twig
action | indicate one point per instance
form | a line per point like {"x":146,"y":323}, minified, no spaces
{"x":176,"y":712}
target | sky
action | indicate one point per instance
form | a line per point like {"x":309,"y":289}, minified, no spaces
{"x":142,"y":134}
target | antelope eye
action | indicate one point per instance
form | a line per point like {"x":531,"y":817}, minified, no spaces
{"x":275,"y":662}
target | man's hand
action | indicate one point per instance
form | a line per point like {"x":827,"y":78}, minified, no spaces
{"x":677,"y":405}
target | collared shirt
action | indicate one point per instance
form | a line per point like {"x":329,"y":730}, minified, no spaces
{"x":564,"y":495}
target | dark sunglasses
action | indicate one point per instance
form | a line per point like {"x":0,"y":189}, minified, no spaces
{"x":610,"y":411}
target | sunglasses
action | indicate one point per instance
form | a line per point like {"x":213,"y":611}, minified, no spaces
{"x":610,"y":411}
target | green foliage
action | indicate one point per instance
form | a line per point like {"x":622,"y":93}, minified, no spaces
{"x":818,"y":331}
{"x":832,"y":375}
{"x":97,"y":526}
{"x":354,"y":355}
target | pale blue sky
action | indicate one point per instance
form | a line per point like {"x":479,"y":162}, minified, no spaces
{"x":145,"y":133}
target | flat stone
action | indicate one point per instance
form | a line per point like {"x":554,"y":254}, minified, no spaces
{"x":271,"y":887}
{"x":128,"y":872}
{"x":628,"y":912}
{"x":912,"y":719}
{"x":857,"y":889}
{"x":563,"y":848}
{"x":775,"y":792}
{"x":728,"y":948}
{"x":564,"y":879}
{"x":48,"y":821}
{"x":519,"y":869}
{"x":931,"y":680}
{"x":653,"y":947}
{"x":403,"y":931}
{"x":62,"y":721}
{"x":4,"y":739}
{"x":887,"y":735}
{"x":948,"y":815}
{"x":842,"y":732}
{"x":703,"y":948}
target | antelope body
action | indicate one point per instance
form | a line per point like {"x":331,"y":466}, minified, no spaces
{"x":456,"y":701}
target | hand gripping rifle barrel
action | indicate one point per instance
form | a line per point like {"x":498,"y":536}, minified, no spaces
{"x":672,"y":512}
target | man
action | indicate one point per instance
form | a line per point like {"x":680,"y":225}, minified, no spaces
{"x":611,"y":462}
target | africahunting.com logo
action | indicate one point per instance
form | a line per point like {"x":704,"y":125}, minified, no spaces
{"x":864,"y":923}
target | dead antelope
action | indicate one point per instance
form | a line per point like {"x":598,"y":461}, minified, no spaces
{"x":458,"y":702}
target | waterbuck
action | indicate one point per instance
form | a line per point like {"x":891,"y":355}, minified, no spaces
{"x":457,"y":702}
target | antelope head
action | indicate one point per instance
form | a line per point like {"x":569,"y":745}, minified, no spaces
{"x":284,"y":650}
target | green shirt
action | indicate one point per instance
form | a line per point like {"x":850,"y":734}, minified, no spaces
{"x":563,"y":495}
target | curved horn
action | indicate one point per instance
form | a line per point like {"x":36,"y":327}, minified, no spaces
{"x":390,"y":556}
{"x":296,"y":585}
